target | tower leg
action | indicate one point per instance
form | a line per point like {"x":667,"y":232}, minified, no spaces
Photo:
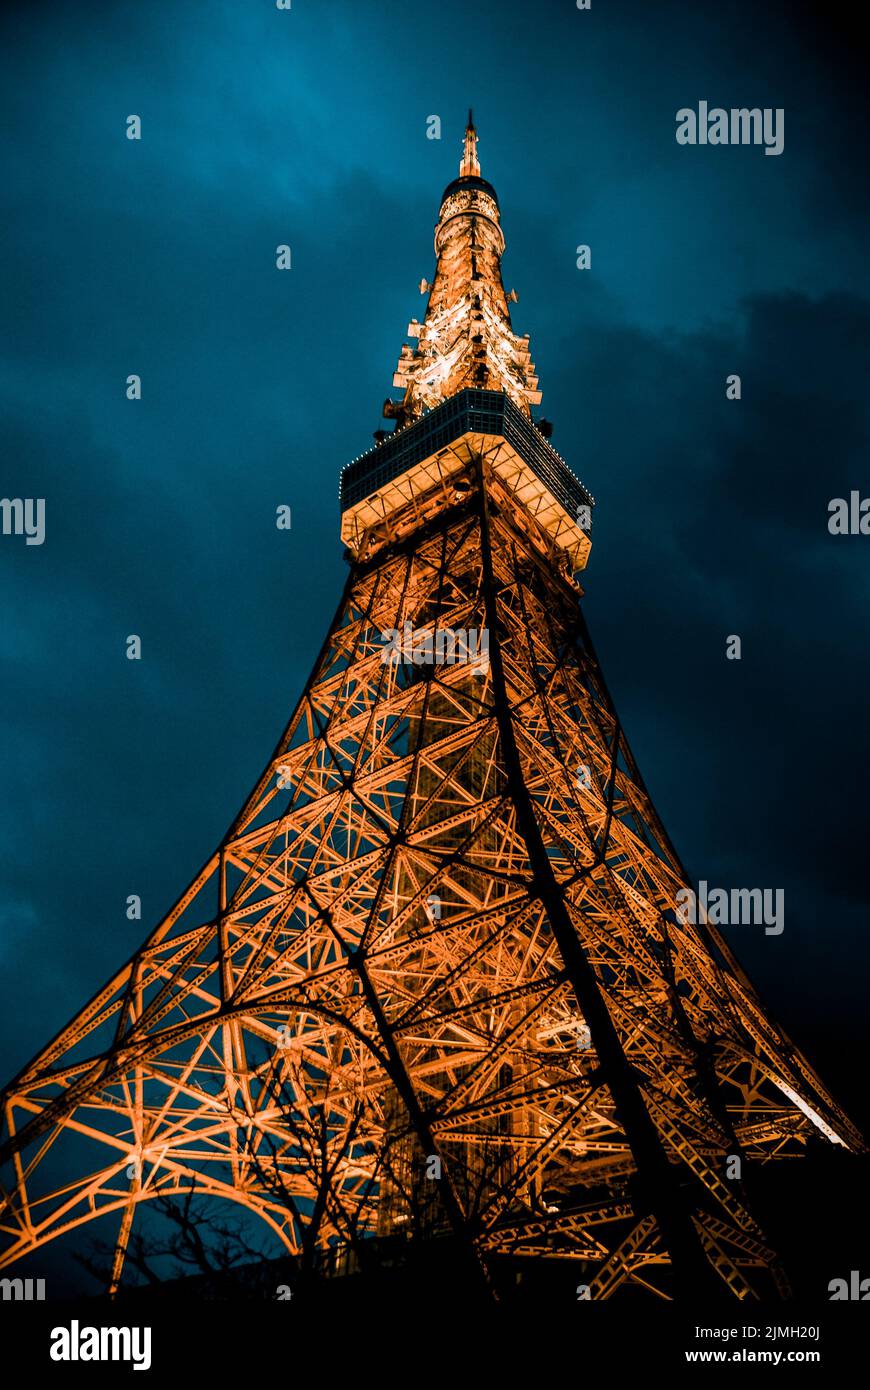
{"x":121,"y":1247}
{"x":692,"y":1272}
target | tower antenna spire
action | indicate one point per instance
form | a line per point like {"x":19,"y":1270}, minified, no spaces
{"x":470,"y":165}
{"x":466,"y":340}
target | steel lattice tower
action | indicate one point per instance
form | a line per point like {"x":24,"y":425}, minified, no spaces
{"x":432,"y":984}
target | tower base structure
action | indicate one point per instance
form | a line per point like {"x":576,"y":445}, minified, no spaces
{"x":432,"y":984}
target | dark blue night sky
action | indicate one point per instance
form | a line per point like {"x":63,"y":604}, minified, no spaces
{"x":157,"y":257}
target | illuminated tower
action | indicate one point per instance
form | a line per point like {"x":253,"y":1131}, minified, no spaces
{"x":431,"y":986}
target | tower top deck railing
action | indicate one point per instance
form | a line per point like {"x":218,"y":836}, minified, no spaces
{"x":468,"y":412}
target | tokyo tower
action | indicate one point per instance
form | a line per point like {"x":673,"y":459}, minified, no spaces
{"x":432,"y":988}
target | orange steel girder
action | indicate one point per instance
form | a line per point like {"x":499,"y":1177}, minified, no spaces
{"x":305,"y":1031}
